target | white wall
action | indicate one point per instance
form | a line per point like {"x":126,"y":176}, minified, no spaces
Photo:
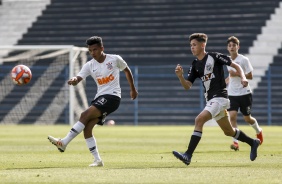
{"x":266,"y":46}
{"x":16,"y":16}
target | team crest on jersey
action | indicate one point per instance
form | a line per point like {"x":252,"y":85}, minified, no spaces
{"x":109,"y":66}
{"x":209,"y":67}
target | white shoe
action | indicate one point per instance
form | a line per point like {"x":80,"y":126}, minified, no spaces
{"x":97,"y":163}
{"x":57,"y":142}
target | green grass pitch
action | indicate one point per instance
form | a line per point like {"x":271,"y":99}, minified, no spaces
{"x":136,"y":154}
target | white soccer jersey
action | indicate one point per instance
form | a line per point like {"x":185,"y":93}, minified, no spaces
{"x":106,"y":74}
{"x":235,"y":88}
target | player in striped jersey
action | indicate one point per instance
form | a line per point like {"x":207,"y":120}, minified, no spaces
{"x":209,"y":68}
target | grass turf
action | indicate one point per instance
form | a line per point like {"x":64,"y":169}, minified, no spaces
{"x":136,"y":155}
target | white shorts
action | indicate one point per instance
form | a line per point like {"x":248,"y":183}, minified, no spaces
{"x":218,"y":107}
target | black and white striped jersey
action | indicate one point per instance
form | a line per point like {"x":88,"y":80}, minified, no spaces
{"x":211,"y":72}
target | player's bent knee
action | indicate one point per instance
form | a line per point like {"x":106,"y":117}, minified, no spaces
{"x":221,"y":114}
{"x":199,"y":122}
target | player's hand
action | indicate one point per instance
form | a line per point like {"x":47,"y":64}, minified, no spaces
{"x":133,"y":94}
{"x":73,"y":81}
{"x":179,"y":70}
{"x":244,"y":82}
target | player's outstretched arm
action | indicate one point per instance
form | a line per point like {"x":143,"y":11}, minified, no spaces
{"x":129,"y":77}
{"x":75,"y":80}
{"x":179,"y":73}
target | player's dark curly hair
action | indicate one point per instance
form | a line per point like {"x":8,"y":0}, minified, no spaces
{"x":200,"y":37}
{"x":233,"y":39}
{"x":94,"y":40}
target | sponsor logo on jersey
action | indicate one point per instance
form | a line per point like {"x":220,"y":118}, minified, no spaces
{"x":207,"y":77}
{"x":105,"y":80}
{"x":222,"y":58}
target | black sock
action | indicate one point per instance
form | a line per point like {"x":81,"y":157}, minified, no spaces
{"x":195,"y":139}
{"x":241,"y":136}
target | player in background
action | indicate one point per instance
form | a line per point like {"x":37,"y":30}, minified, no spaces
{"x":105,"y":70}
{"x":209,"y":68}
{"x":240,"y":97}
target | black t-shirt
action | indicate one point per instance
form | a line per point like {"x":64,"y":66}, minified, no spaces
{"x":210,"y":70}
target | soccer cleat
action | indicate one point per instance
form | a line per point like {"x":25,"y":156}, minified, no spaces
{"x":260,"y":137}
{"x":97,"y":163}
{"x":235,"y":146}
{"x":57,"y":142}
{"x":254,"y":149}
{"x":185,"y":158}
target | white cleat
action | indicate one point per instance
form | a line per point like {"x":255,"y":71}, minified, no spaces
{"x":57,"y":142}
{"x":97,"y":163}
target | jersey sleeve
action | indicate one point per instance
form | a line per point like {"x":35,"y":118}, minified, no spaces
{"x":222,"y":59}
{"x":121,"y":64}
{"x":247,"y":65}
{"x":192,"y":75}
{"x":85,"y":71}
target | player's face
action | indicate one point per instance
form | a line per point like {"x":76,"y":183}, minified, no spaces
{"x":197,"y":48}
{"x":96,"y":51}
{"x":232,"y":48}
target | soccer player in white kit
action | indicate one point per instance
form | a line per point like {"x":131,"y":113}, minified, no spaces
{"x":104,"y":69}
{"x":240,"y":97}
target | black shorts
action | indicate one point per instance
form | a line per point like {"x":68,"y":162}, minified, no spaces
{"x":244,"y":103}
{"x":106,"y":104}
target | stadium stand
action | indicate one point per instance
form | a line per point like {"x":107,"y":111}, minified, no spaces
{"x":16,"y":16}
{"x":264,"y":55}
{"x":155,"y":33}
{"x":142,"y":30}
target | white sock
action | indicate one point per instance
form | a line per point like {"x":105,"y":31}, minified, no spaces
{"x":91,"y":143}
{"x":75,"y":130}
{"x":234,"y":140}
{"x":256,"y":127}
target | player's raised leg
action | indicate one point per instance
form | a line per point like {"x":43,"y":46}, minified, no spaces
{"x":240,"y":135}
{"x":61,"y":144}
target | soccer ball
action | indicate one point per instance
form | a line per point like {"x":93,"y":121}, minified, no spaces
{"x":21,"y":75}
{"x":111,"y":123}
